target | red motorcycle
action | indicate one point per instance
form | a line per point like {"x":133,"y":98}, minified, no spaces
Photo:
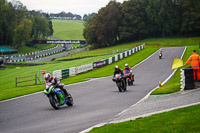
{"x":121,"y":82}
{"x":129,"y":77}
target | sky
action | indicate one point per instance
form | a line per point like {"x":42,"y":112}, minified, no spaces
{"x":79,"y":7}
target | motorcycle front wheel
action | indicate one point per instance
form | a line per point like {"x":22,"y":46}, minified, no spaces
{"x":124,"y":85}
{"x":54,"y":101}
{"x":119,"y":86}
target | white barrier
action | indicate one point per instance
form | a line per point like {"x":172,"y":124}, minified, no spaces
{"x":84,"y":68}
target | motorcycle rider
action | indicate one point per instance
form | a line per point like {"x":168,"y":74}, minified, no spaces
{"x":56,"y":82}
{"x":194,"y":61}
{"x":160,"y":53}
{"x":117,"y":71}
{"x":130,"y":70}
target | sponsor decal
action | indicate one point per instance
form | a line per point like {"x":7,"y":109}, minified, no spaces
{"x":84,"y":68}
{"x":99,"y":64}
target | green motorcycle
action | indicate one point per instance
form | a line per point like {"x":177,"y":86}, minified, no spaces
{"x":57,"y":98}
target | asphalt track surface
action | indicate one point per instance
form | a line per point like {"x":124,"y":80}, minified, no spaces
{"x":96,"y":101}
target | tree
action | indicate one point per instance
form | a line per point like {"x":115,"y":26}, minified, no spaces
{"x":190,"y":17}
{"x":2,"y":18}
{"x":134,"y":20}
{"x":164,"y":17}
{"x":89,"y":31}
{"x":22,"y":33}
{"x":40,"y":27}
{"x":102,"y":30}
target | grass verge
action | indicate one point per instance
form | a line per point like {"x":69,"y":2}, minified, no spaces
{"x":182,"y":120}
{"x":68,"y":29}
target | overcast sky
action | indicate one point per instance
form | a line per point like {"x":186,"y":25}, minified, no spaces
{"x":79,"y":7}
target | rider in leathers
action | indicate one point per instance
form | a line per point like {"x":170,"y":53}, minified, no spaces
{"x":56,"y":82}
{"x":130,"y":70}
{"x":117,"y":71}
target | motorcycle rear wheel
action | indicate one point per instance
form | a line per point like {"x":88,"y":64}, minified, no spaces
{"x":129,"y":82}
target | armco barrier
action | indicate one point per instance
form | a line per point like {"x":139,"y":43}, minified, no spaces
{"x":33,"y":55}
{"x":61,"y":74}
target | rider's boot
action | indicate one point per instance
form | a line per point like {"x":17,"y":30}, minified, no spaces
{"x":66,"y":94}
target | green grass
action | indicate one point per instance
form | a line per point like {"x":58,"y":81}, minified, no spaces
{"x":27,"y":49}
{"x":170,"y":42}
{"x":185,"y":120}
{"x":68,"y":29}
{"x":102,"y":51}
{"x":7,"y":77}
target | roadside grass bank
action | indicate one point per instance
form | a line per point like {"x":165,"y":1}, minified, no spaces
{"x":39,"y":47}
{"x":167,"y":42}
{"x":27,"y":49}
{"x":68,"y":29}
{"x":184,"y":120}
{"x":102,"y":51}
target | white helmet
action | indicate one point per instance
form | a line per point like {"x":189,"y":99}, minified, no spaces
{"x":126,"y":65}
{"x":116,"y":67}
{"x":47,"y":77}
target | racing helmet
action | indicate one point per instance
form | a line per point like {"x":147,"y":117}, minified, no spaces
{"x":116,"y":67}
{"x":47,"y":77}
{"x":126,"y":65}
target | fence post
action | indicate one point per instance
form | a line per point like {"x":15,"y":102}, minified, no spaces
{"x":36,"y":78}
{"x":16,"y":82}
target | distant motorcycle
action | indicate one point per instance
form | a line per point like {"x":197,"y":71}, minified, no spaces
{"x":127,"y":76}
{"x":160,"y":55}
{"x":121,"y":82}
{"x":57,"y":97}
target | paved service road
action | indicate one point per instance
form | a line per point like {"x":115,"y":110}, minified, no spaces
{"x":49,"y":58}
{"x":96,"y":101}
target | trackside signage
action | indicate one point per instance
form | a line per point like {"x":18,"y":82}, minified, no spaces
{"x":99,"y":64}
{"x":59,"y":41}
{"x":84,"y":68}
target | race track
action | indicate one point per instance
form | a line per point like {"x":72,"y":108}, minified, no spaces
{"x":95,"y":101}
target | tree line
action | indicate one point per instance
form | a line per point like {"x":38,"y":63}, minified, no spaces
{"x":18,"y":27}
{"x":138,"y":19}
